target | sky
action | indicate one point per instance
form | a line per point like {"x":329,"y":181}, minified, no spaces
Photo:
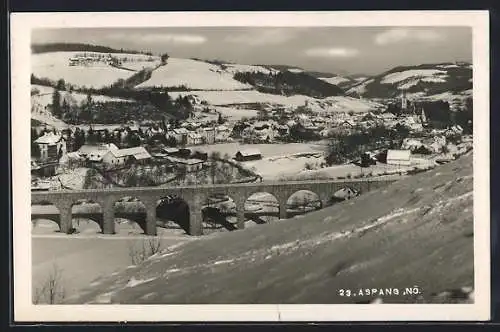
{"x":338,"y":50}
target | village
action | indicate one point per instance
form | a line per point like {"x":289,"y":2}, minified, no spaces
{"x":182,"y":147}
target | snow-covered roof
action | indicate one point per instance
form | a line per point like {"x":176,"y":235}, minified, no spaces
{"x":222,"y":128}
{"x":171,"y":150}
{"x":398,"y":154}
{"x":191,"y":161}
{"x":95,"y":158}
{"x":94,"y":149}
{"x":73,"y":155}
{"x":387,"y":116}
{"x":181,"y":131}
{"x":249,"y":152}
{"x":138,"y":152}
{"x":110,"y":146}
{"x":48,"y":138}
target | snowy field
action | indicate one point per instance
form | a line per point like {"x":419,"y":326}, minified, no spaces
{"x":331,"y":104}
{"x":276,"y":168}
{"x":277,"y":159}
{"x":352,"y":170}
{"x":244,"y":97}
{"x":361,"y":88}
{"x":334,"y":80}
{"x":101,"y":255}
{"x":233,"y":68}
{"x":193,"y":74}
{"x":267,"y":150}
{"x":54,"y":66}
{"x":290,"y":161}
{"x":235,"y":114}
{"x":422,"y":74}
{"x":45,"y":97}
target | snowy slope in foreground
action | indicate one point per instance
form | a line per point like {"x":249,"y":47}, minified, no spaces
{"x":421,"y":235}
{"x":55,"y":65}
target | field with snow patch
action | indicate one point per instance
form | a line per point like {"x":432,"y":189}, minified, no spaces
{"x":54,"y":66}
{"x":336,"y":80}
{"x":45,"y":97}
{"x":333,"y":104}
{"x":193,"y":74}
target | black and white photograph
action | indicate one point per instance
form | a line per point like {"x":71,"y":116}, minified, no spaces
{"x":268,"y":161}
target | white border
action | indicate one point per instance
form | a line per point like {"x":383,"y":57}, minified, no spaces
{"x":23,"y":23}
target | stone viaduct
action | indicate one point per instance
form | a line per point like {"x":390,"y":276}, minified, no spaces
{"x":194,"y":196}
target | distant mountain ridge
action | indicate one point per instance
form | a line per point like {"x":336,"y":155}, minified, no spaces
{"x":424,"y":79}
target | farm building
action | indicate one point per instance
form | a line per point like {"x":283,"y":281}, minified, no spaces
{"x":399,"y":157}
{"x":190,"y":165}
{"x":248,"y":154}
{"x":120,"y":157}
{"x":95,"y":152}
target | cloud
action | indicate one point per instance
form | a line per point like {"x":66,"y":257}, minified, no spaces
{"x":332,"y":52}
{"x":262,"y":37}
{"x":397,"y":35}
{"x":171,"y":38}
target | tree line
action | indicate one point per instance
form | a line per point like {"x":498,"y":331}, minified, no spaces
{"x":288,"y":83}
{"x":81,"y":47}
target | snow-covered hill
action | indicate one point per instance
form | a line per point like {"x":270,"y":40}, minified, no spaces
{"x":336,"y":80}
{"x":425,"y":80}
{"x":41,"y":98}
{"x":96,"y":73}
{"x":198,"y":75}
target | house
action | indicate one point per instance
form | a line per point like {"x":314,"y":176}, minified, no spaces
{"x":411,"y":144}
{"x":72,"y":159}
{"x":454,"y":130}
{"x":154,"y":131}
{"x":248,"y":154}
{"x":208,"y":135}
{"x":194,"y":138}
{"x":181,"y":135}
{"x":120,"y":157}
{"x":304,"y":120}
{"x":222,"y":133}
{"x":283,"y":130}
{"x":387,"y":116}
{"x":52,"y":146}
{"x":190,"y":165}
{"x":399,"y":157}
{"x":95,"y":152}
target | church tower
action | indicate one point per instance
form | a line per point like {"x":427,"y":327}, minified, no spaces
{"x":404,"y":101}
{"x":423,"y":118}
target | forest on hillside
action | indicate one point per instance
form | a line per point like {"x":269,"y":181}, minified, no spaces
{"x":80,"y":47}
{"x":288,"y":83}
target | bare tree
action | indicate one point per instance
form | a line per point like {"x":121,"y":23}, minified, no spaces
{"x":51,"y":291}
{"x":147,"y":247}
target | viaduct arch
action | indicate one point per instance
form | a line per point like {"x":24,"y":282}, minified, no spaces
{"x":195,"y":196}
